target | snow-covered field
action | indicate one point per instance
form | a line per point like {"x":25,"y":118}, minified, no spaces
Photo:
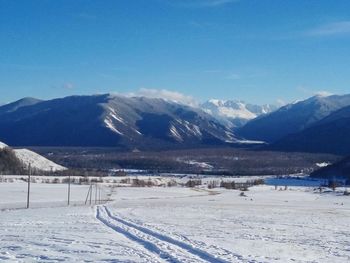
{"x":35,"y":160}
{"x":178,"y":224}
{"x":14,"y":195}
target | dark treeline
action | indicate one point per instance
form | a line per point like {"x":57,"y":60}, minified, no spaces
{"x":9,"y":163}
{"x":224,"y":161}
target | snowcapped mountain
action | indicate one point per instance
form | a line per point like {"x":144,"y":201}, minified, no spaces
{"x":319,"y":124}
{"x":329,"y":135}
{"x":235,"y":113}
{"x":293,"y":118}
{"x":35,"y":160}
{"x":112,"y":121}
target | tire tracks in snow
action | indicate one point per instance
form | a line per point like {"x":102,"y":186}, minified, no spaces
{"x":167,"y":248}
{"x":149,"y":246}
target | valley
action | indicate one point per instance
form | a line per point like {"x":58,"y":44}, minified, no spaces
{"x":215,"y":161}
{"x":174,"y":131}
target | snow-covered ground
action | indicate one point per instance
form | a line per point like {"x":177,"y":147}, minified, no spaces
{"x":14,"y":195}
{"x":178,"y":224}
{"x":35,"y":160}
{"x":2,"y":145}
{"x":63,"y":234}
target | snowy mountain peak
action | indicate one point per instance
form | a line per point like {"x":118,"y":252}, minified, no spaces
{"x":235,"y":112}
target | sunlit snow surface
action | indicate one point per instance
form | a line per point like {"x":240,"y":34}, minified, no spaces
{"x":35,"y":160}
{"x":183,"y":225}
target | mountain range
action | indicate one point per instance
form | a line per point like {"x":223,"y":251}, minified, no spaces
{"x":293,"y":118}
{"x":329,"y":135}
{"x":317,"y":124}
{"x":109,"y":120}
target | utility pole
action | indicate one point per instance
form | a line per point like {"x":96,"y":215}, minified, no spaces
{"x":90,"y":193}
{"x":28,"y":193}
{"x":68,"y":189}
{"x":87,"y":197}
{"x":95,"y":193}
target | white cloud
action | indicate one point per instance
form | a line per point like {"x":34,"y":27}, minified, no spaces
{"x":330,"y":29}
{"x":164,"y":94}
{"x":281,"y":102}
{"x":323,"y":93}
{"x":68,"y":85}
{"x":312,"y":92}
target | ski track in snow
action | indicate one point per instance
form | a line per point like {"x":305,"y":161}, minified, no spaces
{"x":177,"y":225}
{"x":166,"y":247}
{"x":62,"y":235}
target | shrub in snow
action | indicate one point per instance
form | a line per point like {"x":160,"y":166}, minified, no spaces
{"x":172,"y":183}
{"x":212,"y":184}
{"x":228,"y":185}
{"x":193,"y":183}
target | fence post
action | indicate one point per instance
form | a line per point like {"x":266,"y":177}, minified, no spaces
{"x":68,"y":190}
{"x":90,"y":193}
{"x":28,"y":193}
{"x":87,"y":196}
{"x":95,"y":193}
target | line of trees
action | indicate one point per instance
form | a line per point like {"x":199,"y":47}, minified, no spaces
{"x":9,"y":163}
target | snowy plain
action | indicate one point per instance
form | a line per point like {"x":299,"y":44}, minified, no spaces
{"x":35,"y":160}
{"x":175,"y":224}
{"x":14,"y":195}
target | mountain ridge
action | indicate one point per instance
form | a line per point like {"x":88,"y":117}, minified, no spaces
{"x":292,"y":118}
{"x":329,"y":135}
{"x":111,"y":120}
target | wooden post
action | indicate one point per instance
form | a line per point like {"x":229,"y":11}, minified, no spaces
{"x":90,"y":193}
{"x":87,"y":196}
{"x":95,"y":193}
{"x":28,"y":193}
{"x":68,"y":190}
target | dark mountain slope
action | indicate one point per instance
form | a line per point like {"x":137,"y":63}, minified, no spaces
{"x":292,"y":118}
{"x":18,"y":104}
{"x":330,"y":135}
{"x":71,"y":121}
{"x":110,"y":121}
{"x":340,"y":170}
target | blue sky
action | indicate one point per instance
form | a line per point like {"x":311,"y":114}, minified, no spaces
{"x":260,"y":51}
